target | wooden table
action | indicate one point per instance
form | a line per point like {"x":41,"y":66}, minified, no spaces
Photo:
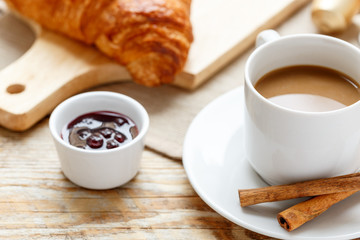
{"x":38,"y":202}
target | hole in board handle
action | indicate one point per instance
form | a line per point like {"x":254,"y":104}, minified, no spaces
{"x":15,"y":88}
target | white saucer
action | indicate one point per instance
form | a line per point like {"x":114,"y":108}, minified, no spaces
{"x":216,"y":167}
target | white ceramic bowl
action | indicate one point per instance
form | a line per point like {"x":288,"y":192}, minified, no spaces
{"x":99,"y":169}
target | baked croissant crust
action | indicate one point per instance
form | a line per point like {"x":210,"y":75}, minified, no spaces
{"x":151,"y":38}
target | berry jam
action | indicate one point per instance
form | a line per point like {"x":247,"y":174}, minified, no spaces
{"x":100,"y":130}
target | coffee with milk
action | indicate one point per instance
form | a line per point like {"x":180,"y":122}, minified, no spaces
{"x":309,"y":88}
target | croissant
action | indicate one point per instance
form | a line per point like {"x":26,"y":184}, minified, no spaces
{"x":151,"y":38}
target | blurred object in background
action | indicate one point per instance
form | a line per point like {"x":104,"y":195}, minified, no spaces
{"x":356,"y":21}
{"x":16,"y":37}
{"x":333,"y":16}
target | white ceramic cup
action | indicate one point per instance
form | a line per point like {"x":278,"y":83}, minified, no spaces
{"x":99,"y":169}
{"x":284,"y":145}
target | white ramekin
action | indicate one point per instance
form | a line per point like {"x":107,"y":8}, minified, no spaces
{"x":99,"y":169}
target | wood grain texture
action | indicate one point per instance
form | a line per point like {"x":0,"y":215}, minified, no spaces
{"x":224,"y":29}
{"x":38,"y":202}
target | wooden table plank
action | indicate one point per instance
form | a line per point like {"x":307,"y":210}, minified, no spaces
{"x":38,"y":202}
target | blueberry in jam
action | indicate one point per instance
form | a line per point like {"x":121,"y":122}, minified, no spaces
{"x":100,"y":130}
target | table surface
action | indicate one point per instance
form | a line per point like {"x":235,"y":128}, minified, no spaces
{"x":38,"y":202}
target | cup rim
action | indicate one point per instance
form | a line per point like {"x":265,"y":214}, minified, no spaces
{"x":56,"y":113}
{"x":286,"y":38}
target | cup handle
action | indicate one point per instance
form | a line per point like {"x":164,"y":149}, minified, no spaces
{"x":266,"y":36}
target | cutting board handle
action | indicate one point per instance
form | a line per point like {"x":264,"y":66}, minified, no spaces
{"x":53,"y":69}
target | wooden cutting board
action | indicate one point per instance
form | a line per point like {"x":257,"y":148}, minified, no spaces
{"x":55,"y":67}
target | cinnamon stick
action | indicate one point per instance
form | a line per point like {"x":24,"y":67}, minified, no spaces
{"x":303,"y":212}
{"x":344,"y":183}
